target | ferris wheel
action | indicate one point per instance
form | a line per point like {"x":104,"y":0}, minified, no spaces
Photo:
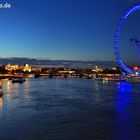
{"x":117,"y":39}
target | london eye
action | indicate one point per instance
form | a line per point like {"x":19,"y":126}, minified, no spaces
{"x":136,"y":41}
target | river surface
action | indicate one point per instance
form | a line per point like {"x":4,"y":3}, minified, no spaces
{"x":70,"y":109}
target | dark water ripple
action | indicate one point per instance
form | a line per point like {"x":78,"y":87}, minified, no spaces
{"x":70,"y":109}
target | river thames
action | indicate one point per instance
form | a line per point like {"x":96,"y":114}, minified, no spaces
{"x":70,"y":109}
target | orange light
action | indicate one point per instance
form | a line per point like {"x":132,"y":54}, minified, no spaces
{"x":1,"y":102}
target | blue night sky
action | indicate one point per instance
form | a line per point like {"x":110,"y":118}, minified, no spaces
{"x":62,"y":29}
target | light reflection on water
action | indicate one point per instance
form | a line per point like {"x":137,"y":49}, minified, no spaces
{"x":1,"y":102}
{"x":125,"y":87}
{"x":70,"y":109}
{"x":127,"y":111}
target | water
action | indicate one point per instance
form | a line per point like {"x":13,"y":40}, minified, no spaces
{"x":70,"y":109}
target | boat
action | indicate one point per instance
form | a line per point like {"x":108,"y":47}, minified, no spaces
{"x":99,"y":78}
{"x":105,"y":79}
{"x":133,"y":79}
{"x":18,"y":80}
{"x":89,"y":77}
{"x":117,"y":78}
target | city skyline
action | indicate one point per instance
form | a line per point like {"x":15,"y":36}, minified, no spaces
{"x":62,"y":30}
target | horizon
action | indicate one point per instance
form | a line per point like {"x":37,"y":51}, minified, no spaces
{"x":38,"y":58}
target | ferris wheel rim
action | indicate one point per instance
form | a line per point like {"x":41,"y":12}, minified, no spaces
{"x":117,"y":37}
